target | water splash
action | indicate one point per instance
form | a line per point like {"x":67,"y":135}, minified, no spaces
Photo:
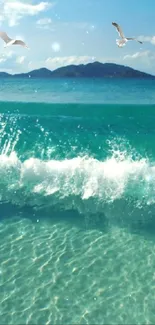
{"x":83,"y":178}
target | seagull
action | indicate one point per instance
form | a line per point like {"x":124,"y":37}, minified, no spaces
{"x":9,"y":41}
{"x":124,"y":39}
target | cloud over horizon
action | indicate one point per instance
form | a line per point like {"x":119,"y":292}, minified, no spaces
{"x":59,"y":34}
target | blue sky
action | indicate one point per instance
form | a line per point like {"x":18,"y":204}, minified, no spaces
{"x":62,"y":32}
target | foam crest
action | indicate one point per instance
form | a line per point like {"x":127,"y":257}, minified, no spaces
{"x":83,"y":177}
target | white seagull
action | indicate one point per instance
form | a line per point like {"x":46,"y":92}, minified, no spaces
{"x":124,"y":39}
{"x":9,"y":41}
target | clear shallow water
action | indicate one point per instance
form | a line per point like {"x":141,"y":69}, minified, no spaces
{"x":77,"y":211}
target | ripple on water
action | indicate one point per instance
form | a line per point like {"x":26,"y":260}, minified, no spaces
{"x":57,"y":273}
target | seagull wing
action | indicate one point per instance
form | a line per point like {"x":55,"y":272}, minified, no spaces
{"x":133,"y":39}
{"x":19,"y":42}
{"x":119,"y":30}
{"x":5,"y":37}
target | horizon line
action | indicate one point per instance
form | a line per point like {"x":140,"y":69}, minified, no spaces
{"x":77,"y":65}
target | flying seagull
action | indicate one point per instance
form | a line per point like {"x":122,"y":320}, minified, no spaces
{"x":9,"y":41}
{"x":124,"y":39}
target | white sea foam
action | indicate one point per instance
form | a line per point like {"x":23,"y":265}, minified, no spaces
{"x":82,"y":177}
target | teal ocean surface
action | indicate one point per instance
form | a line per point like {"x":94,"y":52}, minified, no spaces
{"x":77,"y":201}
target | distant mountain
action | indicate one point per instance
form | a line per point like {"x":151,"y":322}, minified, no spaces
{"x":90,"y":70}
{"x":39,"y":73}
{"x":99,"y":70}
{"x":5,"y":75}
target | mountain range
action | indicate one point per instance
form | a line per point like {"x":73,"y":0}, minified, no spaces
{"x":90,"y":70}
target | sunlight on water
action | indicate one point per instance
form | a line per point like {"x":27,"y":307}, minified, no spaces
{"x":58,"y":273}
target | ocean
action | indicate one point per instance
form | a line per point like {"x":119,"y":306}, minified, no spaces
{"x":77,"y":201}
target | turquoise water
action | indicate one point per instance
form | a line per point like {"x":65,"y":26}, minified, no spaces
{"x":77,"y":202}
{"x":96,"y":91}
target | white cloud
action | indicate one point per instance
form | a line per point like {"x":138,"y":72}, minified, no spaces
{"x":150,"y":39}
{"x":45,"y":23}
{"x":140,"y":55}
{"x":140,"y":59}
{"x":67,"y":60}
{"x":13,"y":11}
{"x":137,"y":55}
{"x":20,"y":59}
{"x":3,"y":69}
{"x":5,"y":56}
